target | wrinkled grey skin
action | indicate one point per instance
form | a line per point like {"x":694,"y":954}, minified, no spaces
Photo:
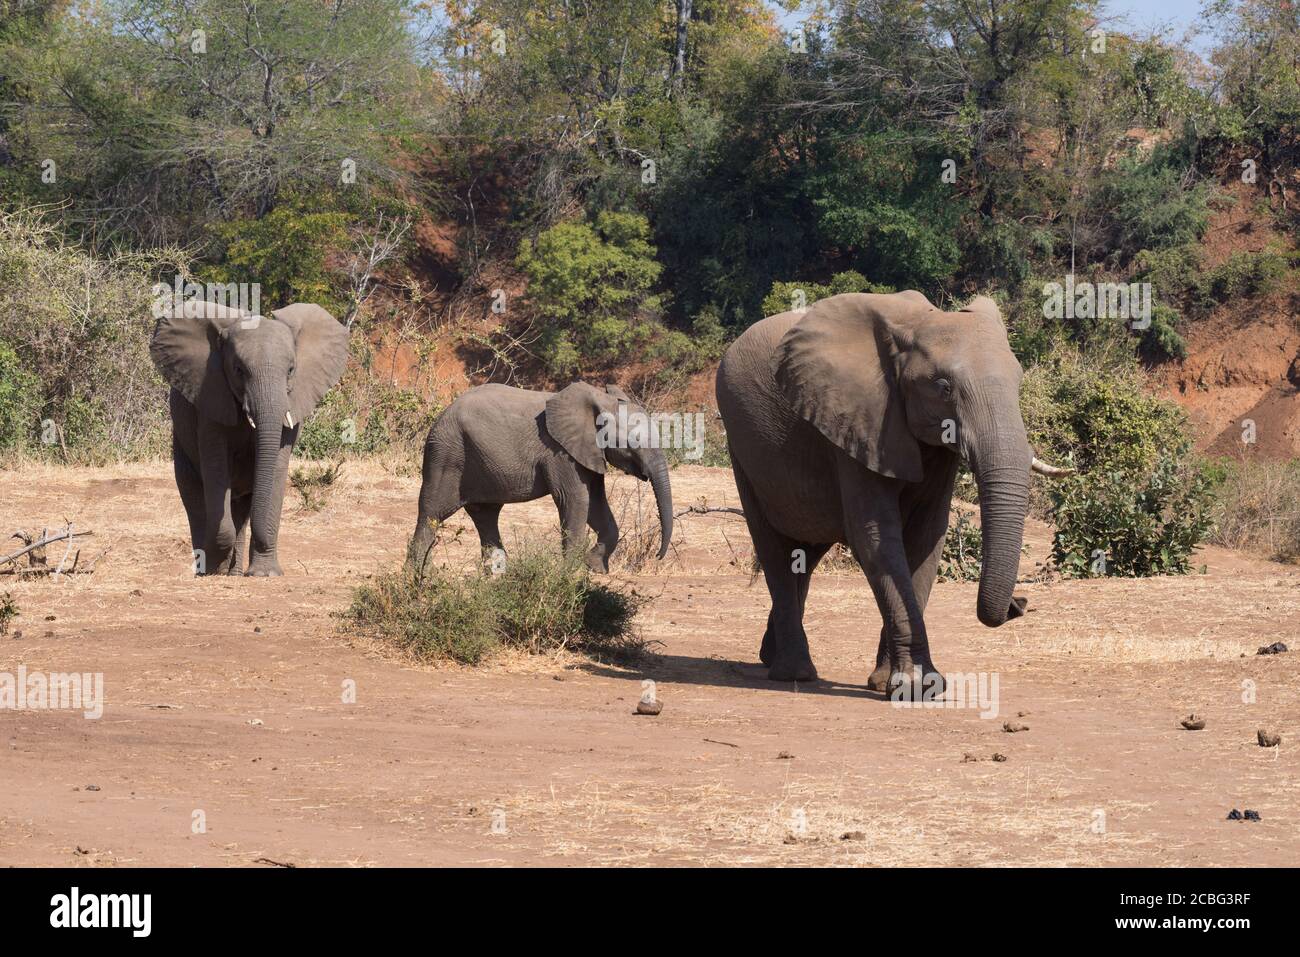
{"x":241,"y":387}
{"x":497,"y":444}
{"x":836,"y":420}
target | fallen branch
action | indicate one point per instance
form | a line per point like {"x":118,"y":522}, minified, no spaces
{"x":706,"y":509}
{"x":67,"y":533}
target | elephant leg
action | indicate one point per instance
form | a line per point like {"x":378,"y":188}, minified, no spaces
{"x":812,"y":555}
{"x":239,"y":511}
{"x":218,"y":525}
{"x":923,"y":538}
{"x":788,"y":658}
{"x":874,"y":528}
{"x":600,"y":519}
{"x":190,"y":486}
{"x":573,"y":503}
{"x":485,"y":516}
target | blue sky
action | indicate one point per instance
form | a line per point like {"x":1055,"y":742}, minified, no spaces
{"x":1177,"y":17}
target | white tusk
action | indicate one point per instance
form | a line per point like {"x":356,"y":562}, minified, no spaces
{"x":250,"y":420}
{"x":288,"y":419}
{"x":1051,"y":471}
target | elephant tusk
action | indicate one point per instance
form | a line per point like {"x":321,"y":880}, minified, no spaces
{"x":288,"y":419}
{"x":250,"y":420}
{"x":1051,"y":471}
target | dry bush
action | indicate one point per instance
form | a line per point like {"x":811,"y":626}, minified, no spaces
{"x":1257,"y":508}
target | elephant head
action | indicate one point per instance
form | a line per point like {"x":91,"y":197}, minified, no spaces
{"x":883,"y":375}
{"x":267,"y":372}
{"x":597,"y":428}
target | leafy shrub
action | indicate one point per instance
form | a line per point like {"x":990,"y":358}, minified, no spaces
{"x":1099,"y":415}
{"x":589,"y":282}
{"x":1139,"y":504}
{"x":285,"y":252}
{"x":1151,"y":208}
{"x":543,"y":601}
{"x":784,"y":296}
{"x":1161,"y":340}
{"x":1123,"y":523}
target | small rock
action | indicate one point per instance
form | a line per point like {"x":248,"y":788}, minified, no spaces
{"x":1268,"y":739}
{"x":52,"y":618}
{"x":999,"y":756}
{"x":256,"y":722}
{"x":92,"y":787}
{"x":1193,"y":722}
{"x":1011,"y":727}
{"x":967,"y":758}
{"x":784,"y":756}
{"x":18,"y":633}
{"x":799,"y":839}
{"x":257,"y":630}
{"x":649,"y":707}
{"x":853,"y":836}
{"x":1247,"y":815}
{"x":137,"y":593}
{"x":1274,"y":649}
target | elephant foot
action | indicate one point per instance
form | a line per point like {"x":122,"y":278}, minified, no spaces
{"x":766,"y":653}
{"x":264,"y":568}
{"x":792,"y":668}
{"x":879,"y":680}
{"x":597,"y":563}
{"x":916,"y":682}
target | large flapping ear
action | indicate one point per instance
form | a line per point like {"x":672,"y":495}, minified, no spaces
{"x":838,"y":367}
{"x":571,"y":419}
{"x":186,"y":348}
{"x":322,"y":354}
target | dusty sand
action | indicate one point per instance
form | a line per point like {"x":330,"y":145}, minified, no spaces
{"x":542,"y":761}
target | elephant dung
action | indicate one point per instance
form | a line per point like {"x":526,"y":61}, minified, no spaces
{"x":1268,"y":739}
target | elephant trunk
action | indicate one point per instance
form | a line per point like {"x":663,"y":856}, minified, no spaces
{"x":999,"y":460}
{"x":267,"y":409}
{"x":656,"y":468}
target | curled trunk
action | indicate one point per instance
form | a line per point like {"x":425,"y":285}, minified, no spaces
{"x":657,"y":470}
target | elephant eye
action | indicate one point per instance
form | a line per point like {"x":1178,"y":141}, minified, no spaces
{"x":945,"y":387}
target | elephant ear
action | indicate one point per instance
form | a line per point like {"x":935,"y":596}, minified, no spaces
{"x":838,"y":367}
{"x":571,"y":420}
{"x":617,"y":393}
{"x":186,"y":348}
{"x":321,"y":354}
{"x":984,"y":306}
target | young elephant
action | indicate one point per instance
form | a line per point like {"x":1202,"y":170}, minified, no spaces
{"x":497,"y":444}
{"x":241,"y":387}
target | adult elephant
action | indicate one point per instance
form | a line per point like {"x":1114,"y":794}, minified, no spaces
{"x":241,"y":387}
{"x":497,"y":444}
{"x":846,"y":423}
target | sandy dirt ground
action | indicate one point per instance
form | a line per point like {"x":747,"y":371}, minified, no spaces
{"x":224,"y":704}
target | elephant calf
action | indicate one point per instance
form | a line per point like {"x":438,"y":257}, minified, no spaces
{"x":496,"y":444}
{"x":241,"y":387}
